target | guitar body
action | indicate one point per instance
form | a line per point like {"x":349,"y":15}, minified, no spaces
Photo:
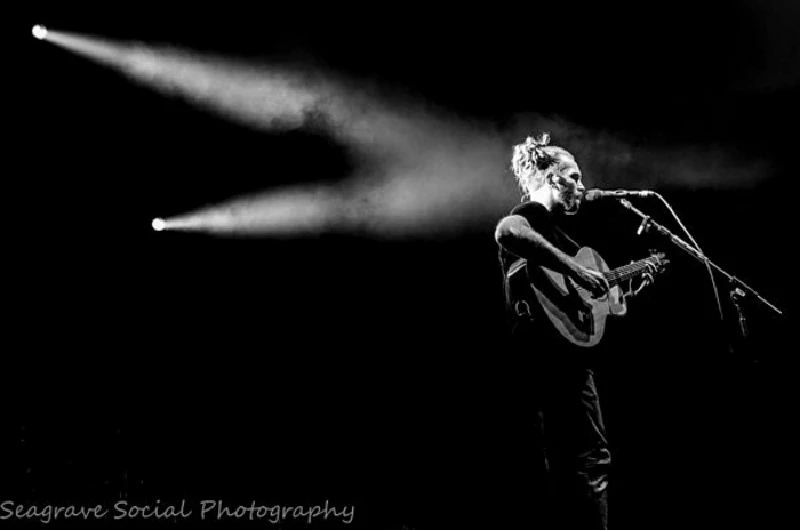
{"x":575,"y":314}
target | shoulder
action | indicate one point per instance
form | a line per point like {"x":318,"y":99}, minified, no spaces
{"x":534,"y":212}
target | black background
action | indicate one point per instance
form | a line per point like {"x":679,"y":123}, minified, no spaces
{"x":168,"y":365}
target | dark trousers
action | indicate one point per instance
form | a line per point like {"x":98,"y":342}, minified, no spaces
{"x":570,"y":435}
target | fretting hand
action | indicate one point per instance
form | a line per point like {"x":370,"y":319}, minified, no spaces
{"x":648,"y":278}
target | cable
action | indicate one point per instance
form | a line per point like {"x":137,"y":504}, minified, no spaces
{"x":697,"y":247}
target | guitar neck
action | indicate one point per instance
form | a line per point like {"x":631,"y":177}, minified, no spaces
{"x":626,"y":272}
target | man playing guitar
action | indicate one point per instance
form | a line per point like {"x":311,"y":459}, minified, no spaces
{"x":558,"y":296}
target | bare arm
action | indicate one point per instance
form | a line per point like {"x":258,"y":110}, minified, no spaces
{"x":515,"y":234}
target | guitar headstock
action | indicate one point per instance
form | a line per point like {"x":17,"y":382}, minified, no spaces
{"x":658,"y":260}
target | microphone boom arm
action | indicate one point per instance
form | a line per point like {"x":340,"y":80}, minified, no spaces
{"x":648,"y":222}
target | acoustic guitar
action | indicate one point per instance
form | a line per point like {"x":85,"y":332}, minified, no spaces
{"x":572,"y":310}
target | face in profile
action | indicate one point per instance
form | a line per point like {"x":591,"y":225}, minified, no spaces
{"x":568,"y":185}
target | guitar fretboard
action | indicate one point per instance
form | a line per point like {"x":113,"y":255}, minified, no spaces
{"x":627,"y":272}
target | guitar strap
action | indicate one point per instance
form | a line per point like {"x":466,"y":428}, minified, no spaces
{"x":565,"y":236}
{"x":519,"y":297}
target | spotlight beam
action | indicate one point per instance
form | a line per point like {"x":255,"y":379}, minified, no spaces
{"x":425,"y":170}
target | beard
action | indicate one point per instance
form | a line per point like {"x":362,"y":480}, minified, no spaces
{"x":569,"y":202}
{"x":568,"y":199}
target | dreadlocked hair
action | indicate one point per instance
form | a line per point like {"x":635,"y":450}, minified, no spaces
{"x":532,"y":160}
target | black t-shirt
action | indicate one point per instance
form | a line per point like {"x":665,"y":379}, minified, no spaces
{"x":543,"y":221}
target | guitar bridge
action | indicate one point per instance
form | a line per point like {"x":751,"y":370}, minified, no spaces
{"x":585,"y":321}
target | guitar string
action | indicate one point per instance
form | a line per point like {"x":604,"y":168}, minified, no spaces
{"x":633,"y":268}
{"x":629,"y":271}
{"x":622,"y":273}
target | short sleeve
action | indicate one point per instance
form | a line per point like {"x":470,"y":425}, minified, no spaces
{"x":536,"y":214}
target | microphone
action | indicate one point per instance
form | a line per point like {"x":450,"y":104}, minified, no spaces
{"x":592,"y":195}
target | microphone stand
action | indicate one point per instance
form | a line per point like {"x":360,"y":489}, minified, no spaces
{"x":738,"y":287}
